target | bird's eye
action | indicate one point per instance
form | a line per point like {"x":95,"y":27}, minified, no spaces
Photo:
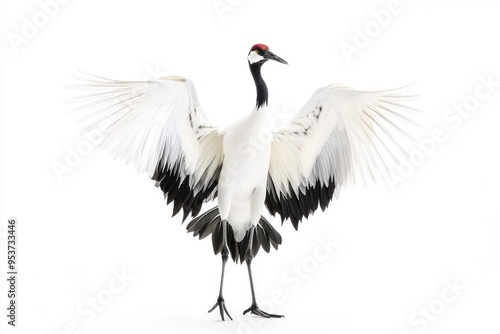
{"x":257,"y":51}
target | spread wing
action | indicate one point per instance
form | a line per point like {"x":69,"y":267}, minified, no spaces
{"x":341,"y":136}
{"x":159,"y":127}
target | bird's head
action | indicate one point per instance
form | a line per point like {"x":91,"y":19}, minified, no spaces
{"x":260,"y":53}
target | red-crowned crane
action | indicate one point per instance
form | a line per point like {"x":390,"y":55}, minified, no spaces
{"x":339,"y":137}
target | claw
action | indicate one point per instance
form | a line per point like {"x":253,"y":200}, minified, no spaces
{"x":254,"y":309}
{"x":222,"y":308}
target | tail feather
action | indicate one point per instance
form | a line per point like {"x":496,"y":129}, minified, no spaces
{"x":209,"y":228}
{"x":217,"y":239}
{"x":210,"y":222}
{"x":202,"y":220}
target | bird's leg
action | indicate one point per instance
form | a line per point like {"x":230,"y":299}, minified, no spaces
{"x":224,"y":254}
{"x":254,"y":308}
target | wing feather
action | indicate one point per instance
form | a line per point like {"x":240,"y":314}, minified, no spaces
{"x":340,"y":137}
{"x":159,"y":127}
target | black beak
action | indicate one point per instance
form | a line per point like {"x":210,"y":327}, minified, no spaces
{"x":269,"y":55}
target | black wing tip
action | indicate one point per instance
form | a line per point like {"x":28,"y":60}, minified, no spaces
{"x":295,"y":205}
{"x":178,"y":189}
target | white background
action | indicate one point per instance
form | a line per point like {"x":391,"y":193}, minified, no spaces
{"x":398,"y":246}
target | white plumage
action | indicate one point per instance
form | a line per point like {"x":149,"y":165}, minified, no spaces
{"x":154,"y":123}
{"x":340,"y":133}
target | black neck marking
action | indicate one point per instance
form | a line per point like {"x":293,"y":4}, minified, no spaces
{"x":262,"y":94}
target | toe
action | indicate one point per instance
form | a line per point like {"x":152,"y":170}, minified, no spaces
{"x":225,"y":310}
{"x":258,"y":312}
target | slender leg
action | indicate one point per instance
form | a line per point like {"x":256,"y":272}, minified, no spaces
{"x":225,"y":254}
{"x":254,"y":308}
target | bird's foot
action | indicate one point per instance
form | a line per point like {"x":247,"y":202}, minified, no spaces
{"x":222,"y":308}
{"x":254,"y":309}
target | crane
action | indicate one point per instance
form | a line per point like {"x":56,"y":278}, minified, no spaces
{"x":341,"y":136}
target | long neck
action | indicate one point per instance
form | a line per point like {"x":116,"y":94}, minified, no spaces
{"x":262,"y":94}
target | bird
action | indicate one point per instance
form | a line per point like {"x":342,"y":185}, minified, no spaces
{"x":341,"y":136}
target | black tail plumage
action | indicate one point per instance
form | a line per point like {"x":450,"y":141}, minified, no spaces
{"x":210,"y":223}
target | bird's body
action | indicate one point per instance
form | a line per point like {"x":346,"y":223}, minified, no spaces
{"x":242,"y":185}
{"x":341,"y":136}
